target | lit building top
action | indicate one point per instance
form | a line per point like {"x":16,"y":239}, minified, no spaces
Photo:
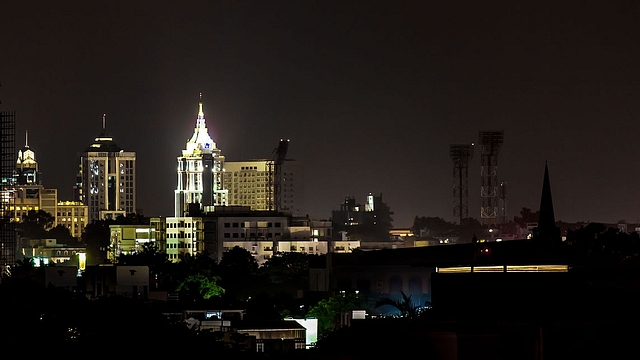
{"x":26,"y":156}
{"x":200,"y":141}
{"x":103,"y":142}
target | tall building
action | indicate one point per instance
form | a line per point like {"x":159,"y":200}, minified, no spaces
{"x":108,"y":178}
{"x":247,"y":183}
{"x":8,"y":247}
{"x":28,"y":194}
{"x":200,"y":167}
{"x":253,"y":183}
{"x":27,"y":172}
{"x":368,"y":222}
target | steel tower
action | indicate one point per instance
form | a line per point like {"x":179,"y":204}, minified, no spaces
{"x":7,"y":167}
{"x":461,"y":154}
{"x":490,"y":143}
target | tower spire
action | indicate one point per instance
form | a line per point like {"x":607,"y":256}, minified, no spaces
{"x":547,"y":229}
{"x":26,"y":138}
{"x":104,"y":121}
{"x":200,"y":111}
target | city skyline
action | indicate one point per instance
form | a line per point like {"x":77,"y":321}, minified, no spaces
{"x":371,"y":96}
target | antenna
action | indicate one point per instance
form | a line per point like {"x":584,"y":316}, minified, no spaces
{"x":104,"y":121}
{"x":26,"y":138}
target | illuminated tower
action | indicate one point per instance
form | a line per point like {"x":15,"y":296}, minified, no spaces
{"x":26,"y":166}
{"x":200,"y":182}
{"x":490,"y":143}
{"x":107,"y":178}
{"x":460,"y":154}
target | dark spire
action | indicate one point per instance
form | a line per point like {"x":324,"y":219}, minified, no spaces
{"x":547,"y":218}
{"x":547,"y":229}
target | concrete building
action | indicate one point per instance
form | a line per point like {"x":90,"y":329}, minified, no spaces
{"x":27,"y":172}
{"x":49,"y":251}
{"x":263,"y":233}
{"x":253,"y":183}
{"x":200,"y":167}
{"x":107,"y":177}
{"x":128,"y":239}
{"x":124,"y":280}
{"x":248,"y":183}
{"x":29,"y":194}
{"x":73,"y":215}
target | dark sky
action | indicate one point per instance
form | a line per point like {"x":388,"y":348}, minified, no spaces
{"x":371,"y":94}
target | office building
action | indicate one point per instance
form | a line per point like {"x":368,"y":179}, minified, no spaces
{"x":255,"y":183}
{"x":108,"y":178}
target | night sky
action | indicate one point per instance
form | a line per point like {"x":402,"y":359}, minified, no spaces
{"x":371,"y":94}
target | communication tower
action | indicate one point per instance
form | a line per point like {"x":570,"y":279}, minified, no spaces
{"x":490,"y":143}
{"x":461,"y":154}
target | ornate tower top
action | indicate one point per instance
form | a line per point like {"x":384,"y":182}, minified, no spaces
{"x":200,"y":142}
{"x":26,"y":156}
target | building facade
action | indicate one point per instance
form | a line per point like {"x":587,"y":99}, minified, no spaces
{"x":27,"y":172}
{"x":107,"y":177}
{"x":73,"y":215}
{"x":252,"y":183}
{"x":262,"y":233}
{"x":200,"y":181}
{"x":129,"y":239}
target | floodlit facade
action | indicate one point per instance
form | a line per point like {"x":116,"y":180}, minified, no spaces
{"x":73,"y":215}
{"x":27,"y":172}
{"x":47,"y":251}
{"x":28,"y":194}
{"x":128,"y":239}
{"x":107,"y":177}
{"x":179,"y":235}
{"x":249,"y":183}
{"x":200,"y":168}
{"x":252,"y":183}
{"x":262,"y":233}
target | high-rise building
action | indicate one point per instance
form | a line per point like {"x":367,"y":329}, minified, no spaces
{"x":253,"y":183}
{"x":247,"y":183}
{"x":27,"y":172}
{"x":108,"y":178}
{"x":7,"y":182}
{"x":200,"y":167}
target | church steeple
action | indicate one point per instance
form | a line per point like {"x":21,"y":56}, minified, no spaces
{"x":547,"y":229}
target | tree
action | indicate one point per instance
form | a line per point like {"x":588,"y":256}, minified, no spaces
{"x":198,"y":287}
{"x":406,"y":306}
{"x":62,"y":235}
{"x":34,"y":224}
{"x":526,"y":216}
{"x":328,"y":311}
{"x":238,"y":269}
{"x":97,"y":239}
{"x":238,"y":261}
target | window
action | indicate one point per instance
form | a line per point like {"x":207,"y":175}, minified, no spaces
{"x":227,"y":225}
{"x":227,"y":235}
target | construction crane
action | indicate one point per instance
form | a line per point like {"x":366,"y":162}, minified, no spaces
{"x":274,"y":166}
